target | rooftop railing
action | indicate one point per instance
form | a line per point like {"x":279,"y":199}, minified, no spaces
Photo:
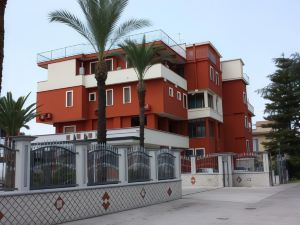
{"x":246,"y":78}
{"x":151,"y":36}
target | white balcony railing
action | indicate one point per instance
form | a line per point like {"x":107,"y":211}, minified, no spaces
{"x":157,"y":35}
{"x":250,"y":107}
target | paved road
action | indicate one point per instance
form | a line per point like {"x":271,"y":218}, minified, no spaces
{"x":235,"y":206}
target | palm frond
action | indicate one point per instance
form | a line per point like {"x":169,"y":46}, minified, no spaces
{"x":65,"y":17}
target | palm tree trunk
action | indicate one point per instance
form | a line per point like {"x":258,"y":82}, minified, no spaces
{"x":2,"y":13}
{"x":101,"y":75}
{"x":141,"y":96}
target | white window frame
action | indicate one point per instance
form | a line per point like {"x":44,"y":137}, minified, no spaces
{"x":211,"y":73}
{"x":112,"y":97}
{"x":127,"y":87}
{"x":179,"y":95}
{"x":112,"y":64}
{"x":64,"y":128}
{"x":195,"y":153}
{"x":246,"y":122}
{"x":72,"y":99}
{"x":245,"y":97}
{"x":247,"y":145}
{"x":90,"y":94}
{"x":185,"y":100}
{"x":217,"y":78}
{"x":171,"y":92}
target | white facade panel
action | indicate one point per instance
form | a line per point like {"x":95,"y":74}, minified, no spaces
{"x":204,"y":113}
{"x":63,"y":75}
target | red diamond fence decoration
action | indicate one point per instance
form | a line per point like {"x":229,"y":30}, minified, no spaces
{"x":59,"y":204}
{"x":105,"y":199}
{"x":239,"y":180}
{"x":169,"y":191}
{"x":1,"y":215}
{"x":193,"y":180}
{"x":143,"y":193}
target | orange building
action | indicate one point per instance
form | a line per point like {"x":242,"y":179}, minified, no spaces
{"x":191,"y":102}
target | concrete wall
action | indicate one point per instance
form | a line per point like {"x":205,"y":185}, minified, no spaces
{"x":62,"y":205}
{"x":251,"y":179}
{"x":202,"y":180}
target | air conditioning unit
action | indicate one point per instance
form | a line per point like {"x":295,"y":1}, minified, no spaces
{"x":147,"y":107}
{"x":48,"y":116}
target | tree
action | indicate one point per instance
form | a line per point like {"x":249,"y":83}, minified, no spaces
{"x":2,"y":13}
{"x":14,"y":115}
{"x":283,"y":106}
{"x":141,"y":57}
{"x":102,"y":31}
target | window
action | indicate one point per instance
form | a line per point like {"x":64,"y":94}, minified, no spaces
{"x":69,"y":99}
{"x":244,"y":97}
{"x":109,"y":64}
{"x":178,"y":96}
{"x":217,"y":104}
{"x":210,"y":99}
{"x":255,"y":145}
{"x":200,"y":152}
{"x":126,"y":95}
{"x":248,"y":145}
{"x":211,"y":129}
{"x":109,"y":97}
{"x":211,"y":73}
{"x":189,"y":152}
{"x":197,"y":128}
{"x":171,"y":92}
{"x":185,"y":101}
{"x":217,"y":79}
{"x":135,"y":121}
{"x":92,"y":97}
{"x":128,"y":64}
{"x":246,"y":121}
{"x":196,"y":100}
{"x":69,"y":129}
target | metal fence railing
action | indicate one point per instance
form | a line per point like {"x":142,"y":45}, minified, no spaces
{"x":52,"y":165}
{"x":249,"y":162}
{"x":186,"y":164}
{"x":7,"y":168}
{"x":103,"y":164}
{"x":166,"y":165}
{"x":138,"y":164}
{"x":151,"y":36}
{"x":207,"y":164}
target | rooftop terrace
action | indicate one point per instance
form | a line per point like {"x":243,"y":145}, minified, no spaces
{"x":151,"y":36}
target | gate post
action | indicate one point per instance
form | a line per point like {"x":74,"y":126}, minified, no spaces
{"x":123,"y":165}
{"x":81,"y":163}
{"x":177,"y":163}
{"x":193,"y":165}
{"x":266,"y":162}
{"x":230,"y":169}
{"x":22,"y":167}
{"x":153,"y":165}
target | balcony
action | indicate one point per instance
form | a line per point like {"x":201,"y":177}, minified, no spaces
{"x":152,"y":36}
{"x":125,"y":136}
{"x":233,"y":70}
{"x":69,"y":79}
{"x":204,"y":113}
{"x":250,"y":108}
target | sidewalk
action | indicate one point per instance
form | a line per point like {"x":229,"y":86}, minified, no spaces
{"x":235,"y":206}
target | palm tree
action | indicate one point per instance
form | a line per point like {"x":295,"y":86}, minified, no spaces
{"x":2,"y":13}
{"x":102,"y":31}
{"x":14,"y":115}
{"x":141,"y":57}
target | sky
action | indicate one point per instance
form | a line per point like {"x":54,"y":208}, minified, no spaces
{"x":256,"y":31}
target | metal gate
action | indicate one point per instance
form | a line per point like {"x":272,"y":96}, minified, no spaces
{"x":7,"y":168}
